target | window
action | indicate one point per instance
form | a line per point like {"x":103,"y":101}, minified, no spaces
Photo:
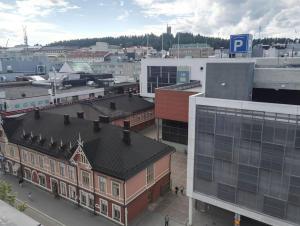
{"x":102,"y":184}
{"x":42,"y":180}
{"x":115,"y":189}
{"x":72,"y":192}
{"x":52,"y":166}
{"x":63,"y":188}
{"x":32,"y":158}
{"x":103,"y":206}
{"x":91,"y":201}
{"x":41,"y":161}
{"x":85,"y":178}
{"x":27,"y":174}
{"x":83,"y":198}
{"x":71,"y":172}
{"x":116,"y":212}
{"x":83,"y":159}
{"x":24,"y":155}
{"x":12,"y":152}
{"x":62,"y":169}
{"x":150,"y":174}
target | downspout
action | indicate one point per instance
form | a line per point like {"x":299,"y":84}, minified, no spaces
{"x":21,"y":165}
{"x":94,"y":191}
{"x":77,"y":187}
{"x":125,"y":207}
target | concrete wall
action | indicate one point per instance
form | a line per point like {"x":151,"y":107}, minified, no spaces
{"x":229,"y":81}
{"x":277,"y":78}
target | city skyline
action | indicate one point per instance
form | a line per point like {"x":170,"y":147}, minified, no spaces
{"x":54,"y":20}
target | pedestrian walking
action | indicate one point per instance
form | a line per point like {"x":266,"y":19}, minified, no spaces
{"x":176,"y":190}
{"x":30,"y":196}
{"x":181,"y":189}
{"x":166,"y":220}
{"x":21,"y":182}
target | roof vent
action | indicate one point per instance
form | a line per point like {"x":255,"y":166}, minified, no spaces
{"x":96,"y":126}
{"x":126,"y":124}
{"x":113,"y":105}
{"x":126,"y":137}
{"x":80,"y":115}
{"x":104,"y":119}
{"x":37,"y":113}
{"x":66,"y":119}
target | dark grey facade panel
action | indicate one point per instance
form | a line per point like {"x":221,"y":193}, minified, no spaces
{"x":274,"y":207}
{"x":254,"y":157}
{"x":223,"y":147}
{"x":229,"y":80}
{"x":294,"y":191}
{"x":248,"y":178}
{"x":226,"y":192}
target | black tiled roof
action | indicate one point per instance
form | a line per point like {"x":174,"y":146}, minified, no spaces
{"x":125,"y":106}
{"x":105,"y":150}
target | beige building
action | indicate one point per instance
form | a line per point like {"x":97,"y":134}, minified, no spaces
{"x":197,"y":50}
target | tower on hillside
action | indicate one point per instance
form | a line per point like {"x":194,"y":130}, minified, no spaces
{"x":169,"y":30}
{"x":25,"y":36}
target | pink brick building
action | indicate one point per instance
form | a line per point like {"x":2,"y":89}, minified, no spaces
{"x":106,"y":169}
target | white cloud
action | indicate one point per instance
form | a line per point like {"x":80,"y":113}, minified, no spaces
{"x":31,"y":13}
{"x":123,"y":16}
{"x":212,"y":17}
{"x":121,"y":3}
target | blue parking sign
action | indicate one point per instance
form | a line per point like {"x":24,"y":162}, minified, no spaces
{"x":240,"y":43}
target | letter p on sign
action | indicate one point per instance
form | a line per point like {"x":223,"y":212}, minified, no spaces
{"x":237,"y":44}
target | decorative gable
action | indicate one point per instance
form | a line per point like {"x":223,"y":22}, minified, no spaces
{"x":79,"y":155}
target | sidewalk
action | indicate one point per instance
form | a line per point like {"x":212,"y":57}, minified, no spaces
{"x":65,"y":212}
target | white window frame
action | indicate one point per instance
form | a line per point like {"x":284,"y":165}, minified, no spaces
{"x":71,"y":172}
{"x":114,"y":206}
{"x":148,"y":175}
{"x":62,"y":173}
{"x":42,"y":175}
{"x":83,"y":193}
{"x":105,"y":202}
{"x":52,"y":161}
{"x":41,"y":161}
{"x":32,"y":159}
{"x":71,"y":190}
{"x":112,"y":190}
{"x":12,"y":151}
{"x":82,"y":181}
{"x":63,"y":184}
{"x":24,"y":153}
{"x":105,"y":184}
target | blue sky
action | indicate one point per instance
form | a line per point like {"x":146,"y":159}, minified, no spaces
{"x":53,"y":20}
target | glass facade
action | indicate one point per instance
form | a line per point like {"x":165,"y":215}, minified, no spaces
{"x":175,"y":131}
{"x":250,"y":159}
{"x":159,"y":76}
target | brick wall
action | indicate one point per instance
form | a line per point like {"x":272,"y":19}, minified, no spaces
{"x":172,"y":104}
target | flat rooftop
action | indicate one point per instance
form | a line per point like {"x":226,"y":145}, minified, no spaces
{"x":25,"y":91}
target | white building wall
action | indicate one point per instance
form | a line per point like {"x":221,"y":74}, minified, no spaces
{"x":245,"y":105}
{"x":195,"y":64}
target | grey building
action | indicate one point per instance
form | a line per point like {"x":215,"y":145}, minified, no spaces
{"x":243,"y":143}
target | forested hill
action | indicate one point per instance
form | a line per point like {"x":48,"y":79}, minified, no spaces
{"x":156,"y":41}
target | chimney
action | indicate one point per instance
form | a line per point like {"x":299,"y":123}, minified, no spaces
{"x":37,"y":113}
{"x":80,"y":114}
{"x":96,"y":126}
{"x":126,"y":125}
{"x":113,"y":105}
{"x":126,"y":137}
{"x":66,"y":119}
{"x":103,"y":119}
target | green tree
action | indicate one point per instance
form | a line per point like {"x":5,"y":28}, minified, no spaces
{"x":6,"y":193}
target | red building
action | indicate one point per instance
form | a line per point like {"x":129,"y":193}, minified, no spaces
{"x":172,"y":108}
{"x":106,"y":169}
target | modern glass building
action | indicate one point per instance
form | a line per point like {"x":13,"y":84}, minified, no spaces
{"x":245,"y":157}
